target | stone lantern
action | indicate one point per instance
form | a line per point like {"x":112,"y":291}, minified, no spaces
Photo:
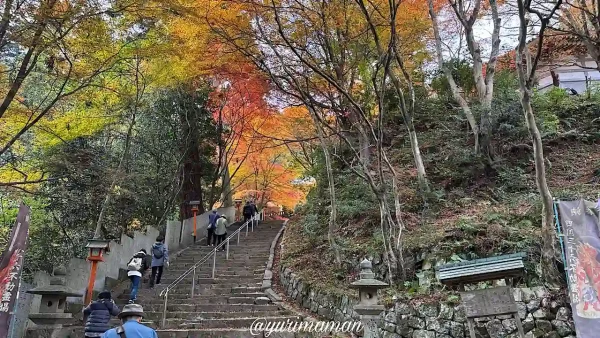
{"x":195,"y":209}
{"x":52,"y":315}
{"x":97,"y":248}
{"x":368,"y":305}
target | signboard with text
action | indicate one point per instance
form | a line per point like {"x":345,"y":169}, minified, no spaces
{"x":580,"y":223}
{"x":11,"y":265}
{"x":488,"y":302}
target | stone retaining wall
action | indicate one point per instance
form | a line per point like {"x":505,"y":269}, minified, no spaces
{"x":541,"y":315}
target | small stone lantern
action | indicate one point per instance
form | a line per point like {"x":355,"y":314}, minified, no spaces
{"x":368,"y":306}
{"x":54,"y":300}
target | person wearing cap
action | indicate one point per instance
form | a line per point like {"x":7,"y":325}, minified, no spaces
{"x":131,"y":317}
{"x":97,"y":315}
{"x":137,"y":266}
{"x":221,"y":230}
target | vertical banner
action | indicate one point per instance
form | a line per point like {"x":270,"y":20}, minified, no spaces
{"x":11,"y":265}
{"x":582,"y":247}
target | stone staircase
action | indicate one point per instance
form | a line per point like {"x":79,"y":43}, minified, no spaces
{"x":222,"y":307}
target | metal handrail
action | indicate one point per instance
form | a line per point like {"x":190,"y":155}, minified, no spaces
{"x":192,"y":269}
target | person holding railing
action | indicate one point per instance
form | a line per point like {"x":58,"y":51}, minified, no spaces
{"x":248,"y":211}
{"x":221,"y":230}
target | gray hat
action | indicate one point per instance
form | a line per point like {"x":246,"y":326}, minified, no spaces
{"x":132,"y":310}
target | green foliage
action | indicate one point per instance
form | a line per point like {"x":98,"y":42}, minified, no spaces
{"x":546,"y":106}
{"x":47,"y":246}
{"x":81,"y":171}
{"x":462,"y":72}
{"x":513,"y":179}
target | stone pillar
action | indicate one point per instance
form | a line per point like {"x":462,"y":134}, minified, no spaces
{"x":368,"y":305}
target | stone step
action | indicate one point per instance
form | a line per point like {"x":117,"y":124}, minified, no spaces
{"x":157,"y":316}
{"x":186,"y":299}
{"x":219,"y":280}
{"x":210,"y":333}
{"x":224,"y":274}
{"x":225,"y":323}
{"x":222,"y":285}
{"x":182,"y":266}
{"x":233,"y":254}
{"x":230,"y":308}
{"x":206,"y":291}
{"x":219,"y":269}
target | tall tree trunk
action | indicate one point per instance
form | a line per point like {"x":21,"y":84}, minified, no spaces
{"x":115,"y":181}
{"x":454,"y":89}
{"x":549,"y":267}
{"x":526,"y":72}
{"x":418,"y":158}
{"x":332,"y":226}
{"x":227,"y":195}
{"x":484,"y":83}
{"x":192,"y":169}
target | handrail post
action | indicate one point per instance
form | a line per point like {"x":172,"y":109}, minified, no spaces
{"x":227,"y":249}
{"x":252,"y":220}
{"x":164,"y":315}
{"x":214,"y":263}
{"x":247,"y":224}
{"x":194,"y":282}
{"x":238,"y":241}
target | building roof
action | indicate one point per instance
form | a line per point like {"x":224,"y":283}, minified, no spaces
{"x":484,"y":269}
{"x":557,"y":46}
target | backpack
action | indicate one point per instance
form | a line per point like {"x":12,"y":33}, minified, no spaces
{"x":157,"y":252}
{"x":121,"y":331}
{"x":135,"y":264}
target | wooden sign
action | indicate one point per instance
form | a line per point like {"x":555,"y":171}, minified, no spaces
{"x":488,"y":302}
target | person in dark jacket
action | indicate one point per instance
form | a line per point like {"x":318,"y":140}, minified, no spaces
{"x":160,"y":258}
{"x":97,"y":315}
{"x":211,"y":238}
{"x":136,"y":267}
{"x":248,"y":211}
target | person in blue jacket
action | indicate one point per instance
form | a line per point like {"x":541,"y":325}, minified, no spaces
{"x":131,"y":316}
{"x":160,"y":258}
{"x":211,"y":238}
{"x":97,"y":315}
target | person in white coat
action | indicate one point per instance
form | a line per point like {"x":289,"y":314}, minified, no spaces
{"x":221,"y":230}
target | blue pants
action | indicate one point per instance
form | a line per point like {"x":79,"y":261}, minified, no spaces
{"x":135,"y":284}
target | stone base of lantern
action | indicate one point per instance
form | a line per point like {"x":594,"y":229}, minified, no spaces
{"x":51,"y":332}
{"x":51,"y":319}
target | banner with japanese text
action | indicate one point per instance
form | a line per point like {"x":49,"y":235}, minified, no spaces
{"x":580,"y":226}
{"x":11,"y":265}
